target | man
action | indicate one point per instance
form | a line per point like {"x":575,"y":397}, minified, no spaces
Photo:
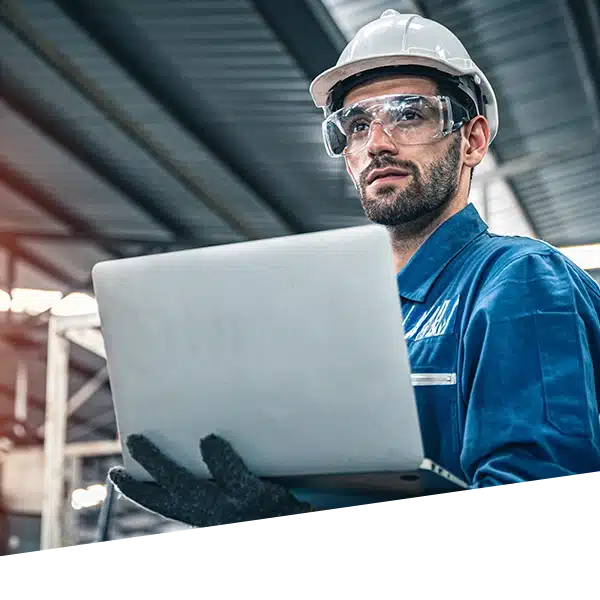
{"x":506,"y":330}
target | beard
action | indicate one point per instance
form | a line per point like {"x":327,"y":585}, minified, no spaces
{"x":422,"y":201}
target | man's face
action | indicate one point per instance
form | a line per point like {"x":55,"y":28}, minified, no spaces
{"x":431,"y":171}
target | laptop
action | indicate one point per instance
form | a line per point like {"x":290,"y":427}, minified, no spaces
{"x":292,"y":348}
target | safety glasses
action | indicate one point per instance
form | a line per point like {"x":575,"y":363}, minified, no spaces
{"x":409,"y":120}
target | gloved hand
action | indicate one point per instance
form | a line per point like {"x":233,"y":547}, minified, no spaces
{"x":234,"y":495}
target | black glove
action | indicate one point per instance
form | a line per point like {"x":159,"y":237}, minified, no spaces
{"x":234,"y":495}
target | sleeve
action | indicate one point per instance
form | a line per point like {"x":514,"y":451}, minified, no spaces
{"x":528,"y":381}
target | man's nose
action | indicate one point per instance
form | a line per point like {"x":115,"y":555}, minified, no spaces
{"x":380,"y":141}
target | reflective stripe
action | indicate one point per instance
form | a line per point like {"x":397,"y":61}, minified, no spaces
{"x":433,"y":378}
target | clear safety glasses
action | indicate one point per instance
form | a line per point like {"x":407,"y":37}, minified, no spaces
{"x":407,"y":119}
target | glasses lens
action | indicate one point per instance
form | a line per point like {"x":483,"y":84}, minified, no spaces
{"x":409,"y":120}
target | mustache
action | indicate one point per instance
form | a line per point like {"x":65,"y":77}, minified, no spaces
{"x":381,"y":162}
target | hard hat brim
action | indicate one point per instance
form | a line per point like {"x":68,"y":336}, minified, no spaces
{"x":322,"y":85}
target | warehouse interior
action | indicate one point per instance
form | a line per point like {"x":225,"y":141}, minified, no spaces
{"x":150,"y":126}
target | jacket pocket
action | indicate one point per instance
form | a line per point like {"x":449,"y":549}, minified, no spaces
{"x":434,"y":378}
{"x":567,"y":373}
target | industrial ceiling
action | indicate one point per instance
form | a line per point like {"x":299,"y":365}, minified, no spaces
{"x":156,"y":125}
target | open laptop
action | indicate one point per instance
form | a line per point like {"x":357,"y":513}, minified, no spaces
{"x":291,"y":348}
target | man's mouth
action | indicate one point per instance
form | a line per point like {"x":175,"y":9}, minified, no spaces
{"x":386,"y":175}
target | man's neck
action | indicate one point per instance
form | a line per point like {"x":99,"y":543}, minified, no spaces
{"x":407,"y":238}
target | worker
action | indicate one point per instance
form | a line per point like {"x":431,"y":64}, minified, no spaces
{"x":506,"y":330}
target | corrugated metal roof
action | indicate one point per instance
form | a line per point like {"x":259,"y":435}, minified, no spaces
{"x":257,"y":97}
{"x":106,"y":206}
{"x":526,"y":51}
{"x":216,"y":87}
{"x":351,"y":15}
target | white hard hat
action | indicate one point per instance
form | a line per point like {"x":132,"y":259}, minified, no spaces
{"x":407,"y":40}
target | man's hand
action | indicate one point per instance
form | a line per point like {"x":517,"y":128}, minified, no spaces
{"x":234,"y":495}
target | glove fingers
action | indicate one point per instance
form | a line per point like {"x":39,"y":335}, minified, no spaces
{"x":161,"y":468}
{"x":196,"y":507}
{"x":228,"y":468}
{"x":149,"y":496}
{"x":253,"y":498}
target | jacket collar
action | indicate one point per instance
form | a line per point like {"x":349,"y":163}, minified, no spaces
{"x":426,"y":265}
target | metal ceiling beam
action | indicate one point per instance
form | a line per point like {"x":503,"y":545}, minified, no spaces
{"x":112,"y":29}
{"x":308,"y":31}
{"x":14,"y":19}
{"x":40,"y":405}
{"x":51,"y":122}
{"x":11,"y":273}
{"x":593,"y":9}
{"x":96,"y":238}
{"x":50,"y":205}
{"x":39,"y":263}
{"x":581,"y":61}
{"x":35,"y":349}
{"x":19,"y":341}
{"x":536,"y":161}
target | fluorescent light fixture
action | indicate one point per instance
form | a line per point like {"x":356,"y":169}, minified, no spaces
{"x":79,"y":499}
{"x":32,"y":302}
{"x":4,"y":301}
{"x":93,"y":495}
{"x":75,"y":304}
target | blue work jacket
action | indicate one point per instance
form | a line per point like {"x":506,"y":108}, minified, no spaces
{"x":504,"y":344}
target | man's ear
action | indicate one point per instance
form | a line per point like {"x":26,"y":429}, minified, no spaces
{"x":477,"y":136}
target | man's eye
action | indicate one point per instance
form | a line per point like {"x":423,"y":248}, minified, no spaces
{"x":358,"y":126}
{"x":408,"y":115}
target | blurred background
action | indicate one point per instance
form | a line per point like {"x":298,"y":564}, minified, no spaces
{"x":144,"y":126}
